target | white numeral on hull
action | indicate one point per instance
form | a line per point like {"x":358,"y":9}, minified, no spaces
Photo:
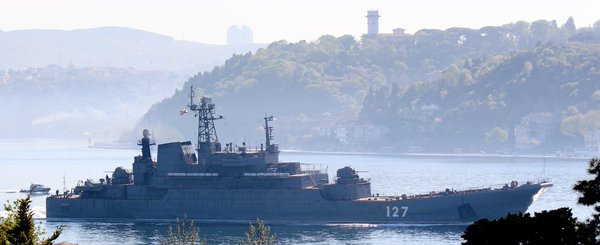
{"x":393,"y":211}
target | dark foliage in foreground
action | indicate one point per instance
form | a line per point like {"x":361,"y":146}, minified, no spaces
{"x":547,"y":227}
{"x":19,"y":227}
{"x":186,"y":233}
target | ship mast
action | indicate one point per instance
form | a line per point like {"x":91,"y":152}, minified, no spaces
{"x":207,"y":134}
{"x":268,"y":131}
{"x":146,"y":142}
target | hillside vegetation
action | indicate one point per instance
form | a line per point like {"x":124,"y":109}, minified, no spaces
{"x":436,"y":89}
{"x":464,"y":106}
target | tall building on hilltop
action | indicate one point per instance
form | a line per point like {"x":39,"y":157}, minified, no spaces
{"x":397,"y":34}
{"x":373,"y":22}
{"x":239,"y":36}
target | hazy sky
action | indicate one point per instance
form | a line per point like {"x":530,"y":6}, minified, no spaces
{"x":271,"y":20}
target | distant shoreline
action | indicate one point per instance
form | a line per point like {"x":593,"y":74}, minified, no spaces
{"x":128,"y":146}
{"x":435,"y":155}
{"x":120,"y":146}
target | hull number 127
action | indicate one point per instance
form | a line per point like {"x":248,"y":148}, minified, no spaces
{"x":396,"y":212}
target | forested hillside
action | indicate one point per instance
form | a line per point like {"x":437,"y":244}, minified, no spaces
{"x":427,"y":85}
{"x":464,"y":106}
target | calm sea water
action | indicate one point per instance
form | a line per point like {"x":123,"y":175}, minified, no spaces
{"x":52,"y":162}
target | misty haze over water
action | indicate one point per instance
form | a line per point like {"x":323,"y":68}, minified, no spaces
{"x":418,"y":105}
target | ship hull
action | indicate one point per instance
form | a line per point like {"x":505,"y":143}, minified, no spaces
{"x":295,"y":206}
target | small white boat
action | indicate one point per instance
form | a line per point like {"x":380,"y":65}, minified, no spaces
{"x":37,"y":189}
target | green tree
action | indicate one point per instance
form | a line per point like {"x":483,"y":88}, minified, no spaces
{"x":569,"y":26}
{"x":547,"y":227}
{"x":571,"y":125}
{"x":258,"y":235}
{"x":596,"y":26}
{"x":582,"y":124}
{"x":590,"y":195}
{"x":496,"y":135}
{"x":185,"y":233}
{"x":465,"y":77}
{"x":541,"y":30}
{"x":450,"y":75}
{"x":19,"y":227}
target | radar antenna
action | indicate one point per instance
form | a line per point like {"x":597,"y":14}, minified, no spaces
{"x":207,"y":134}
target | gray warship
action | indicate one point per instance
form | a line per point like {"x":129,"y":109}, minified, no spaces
{"x":213,"y":183}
